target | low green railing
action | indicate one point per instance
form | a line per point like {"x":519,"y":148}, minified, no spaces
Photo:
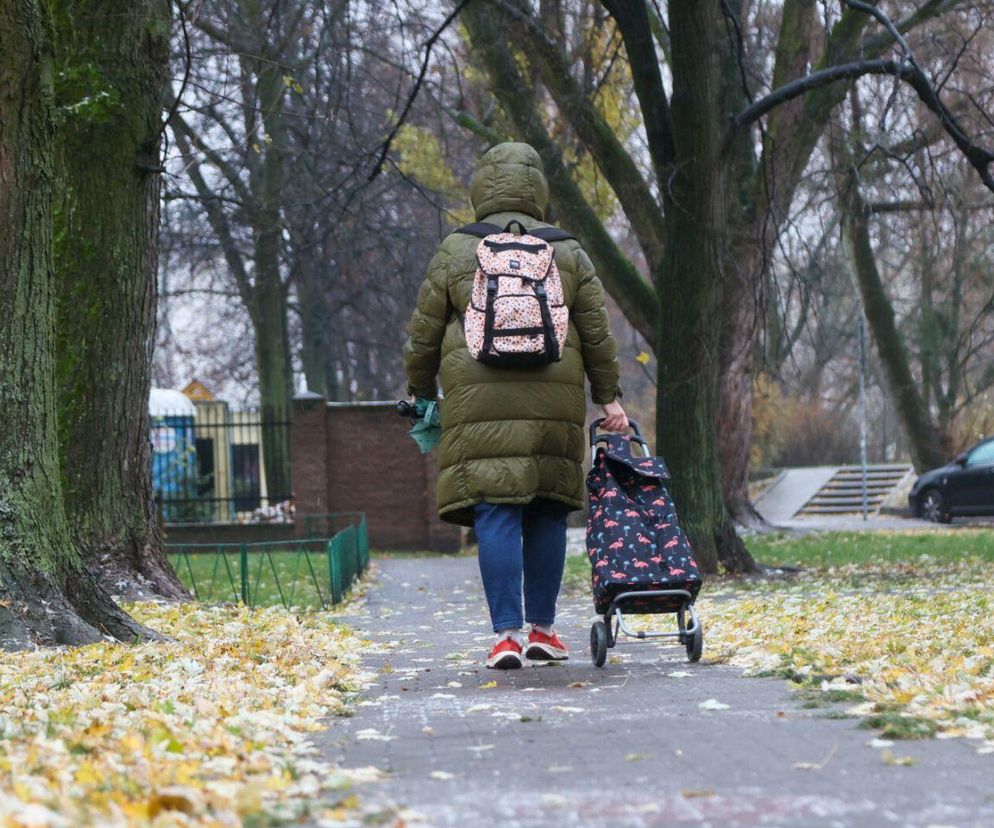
{"x":329,"y":524}
{"x":311,"y":573}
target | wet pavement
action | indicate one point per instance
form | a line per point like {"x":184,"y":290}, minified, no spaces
{"x":647,"y":740}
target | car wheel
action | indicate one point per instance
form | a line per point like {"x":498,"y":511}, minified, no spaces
{"x":933,"y":507}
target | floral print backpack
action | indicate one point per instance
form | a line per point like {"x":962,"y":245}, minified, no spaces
{"x":634,"y":540}
{"x":517,"y":314}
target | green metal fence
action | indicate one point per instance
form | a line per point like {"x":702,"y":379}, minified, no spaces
{"x":329,"y":524}
{"x":311,"y":573}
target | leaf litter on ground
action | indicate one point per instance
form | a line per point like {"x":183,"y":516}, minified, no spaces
{"x":912,"y":641}
{"x":210,"y":729}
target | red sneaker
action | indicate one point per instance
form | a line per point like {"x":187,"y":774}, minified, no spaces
{"x":542,"y":647}
{"x":506,"y":655}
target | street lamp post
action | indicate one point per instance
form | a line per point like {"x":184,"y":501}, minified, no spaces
{"x":862,"y":410}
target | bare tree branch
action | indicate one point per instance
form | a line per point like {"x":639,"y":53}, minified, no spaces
{"x":231,"y":175}
{"x":429,"y":44}
{"x":900,"y":206}
{"x":215,"y":215}
{"x":633,"y":293}
{"x":633,"y":22}
{"x":631,"y":189}
{"x":979,"y":157}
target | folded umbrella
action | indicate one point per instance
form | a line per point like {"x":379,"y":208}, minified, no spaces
{"x":427,"y":428}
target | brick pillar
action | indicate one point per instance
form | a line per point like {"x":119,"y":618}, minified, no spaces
{"x":309,"y":452}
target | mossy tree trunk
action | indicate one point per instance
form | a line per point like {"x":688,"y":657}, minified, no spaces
{"x":911,"y":406}
{"x":691,"y":287}
{"x":268,"y":306}
{"x":318,"y":352}
{"x":47,"y":596}
{"x":113,"y":56}
{"x":268,"y":311}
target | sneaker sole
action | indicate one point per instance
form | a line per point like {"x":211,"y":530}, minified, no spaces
{"x":505,"y":661}
{"x":543,"y":652}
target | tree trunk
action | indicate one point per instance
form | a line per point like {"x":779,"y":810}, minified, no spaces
{"x":314,"y":346}
{"x":106,"y":271}
{"x":318,"y":353}
{"x":734,"y":427}
{"x":46,"y":594}
{"x":743,"y":294}
{"x":911,"y":407}
{"x":268,"y":311}
{"x":269,"y":294}
{"x":691,"y":290}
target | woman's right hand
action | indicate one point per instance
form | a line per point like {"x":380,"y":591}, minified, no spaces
{"x":615,"y":418}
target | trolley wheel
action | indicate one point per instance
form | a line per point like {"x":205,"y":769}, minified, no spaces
{"x":695,"y":644}
{"x":598,"y":643}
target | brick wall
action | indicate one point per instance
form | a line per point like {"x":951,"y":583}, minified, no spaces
{"x":359,"y":457}
{"x":309,"y":455}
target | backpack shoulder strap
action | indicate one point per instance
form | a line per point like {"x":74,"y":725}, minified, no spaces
{"x":550,"y":234}
{"x":481,"y":229}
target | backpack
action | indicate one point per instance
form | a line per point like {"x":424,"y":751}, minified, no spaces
{"x":517,"y":315}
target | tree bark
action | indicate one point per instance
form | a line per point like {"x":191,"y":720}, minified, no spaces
{"x":738,"y":354}
{"x":268,"y":311}
{"x":318,"y":355}
{"x":106,"y":272}
{"x":744,"y":281}
{"x":691,"y":288}
{"x":268,"y":308}
{"x":47,"y":596}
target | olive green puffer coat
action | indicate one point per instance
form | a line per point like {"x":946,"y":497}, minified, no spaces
{"x":508,"y":435}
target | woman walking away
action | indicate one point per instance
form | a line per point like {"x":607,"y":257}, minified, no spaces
{"x":511,"y":365}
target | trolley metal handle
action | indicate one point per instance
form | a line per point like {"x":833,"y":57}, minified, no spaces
{"x":595,"y":438}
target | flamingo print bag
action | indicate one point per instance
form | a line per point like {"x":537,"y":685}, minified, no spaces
{"x":517,"y":314}
{"x":634,"y":540}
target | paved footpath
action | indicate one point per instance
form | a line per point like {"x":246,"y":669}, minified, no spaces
{"x":624,"y":745}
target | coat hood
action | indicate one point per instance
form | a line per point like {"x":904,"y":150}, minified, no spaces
{"x":509,"y":178}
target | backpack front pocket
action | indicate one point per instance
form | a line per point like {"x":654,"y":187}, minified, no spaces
{"x":518,"y":327}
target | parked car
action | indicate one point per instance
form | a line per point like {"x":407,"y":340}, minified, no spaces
{"x":963,"y":487}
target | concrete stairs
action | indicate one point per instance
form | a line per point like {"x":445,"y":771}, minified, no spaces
{"x":843,"y":493}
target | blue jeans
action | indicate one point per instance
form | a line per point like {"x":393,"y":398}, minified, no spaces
{"x":521,"y":541}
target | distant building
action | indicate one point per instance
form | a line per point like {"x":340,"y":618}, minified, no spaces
{"x":208,"y":464}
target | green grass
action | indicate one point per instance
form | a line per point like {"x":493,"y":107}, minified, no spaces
{"x":812,"y":696}
{"x":823,"y":549}
{"x":896,"y":725}
{"x":214,"y":583}
{"x":576,"y":575}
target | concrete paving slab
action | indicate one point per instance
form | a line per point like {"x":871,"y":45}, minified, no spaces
{"x":625,"y":745}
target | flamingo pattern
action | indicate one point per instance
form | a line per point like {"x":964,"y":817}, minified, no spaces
{"x":634,"y":540}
